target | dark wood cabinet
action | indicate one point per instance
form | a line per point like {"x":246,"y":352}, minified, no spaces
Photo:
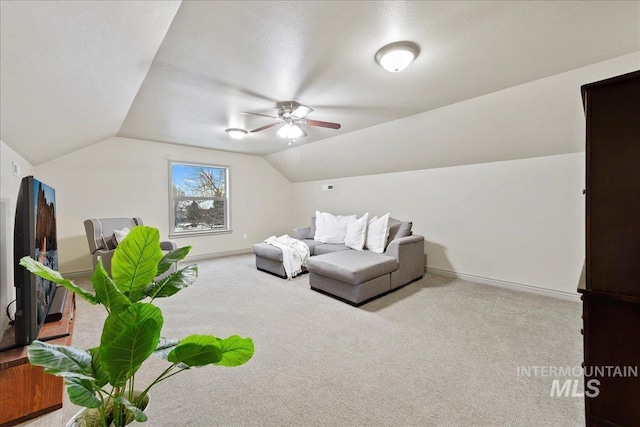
{"x":611,"y":291}
{"x":25,"y":390}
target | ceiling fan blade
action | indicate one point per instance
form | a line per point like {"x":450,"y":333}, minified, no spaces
{"x":265,"y":127}
{"x":300,"y":111}
{"x":323,"y":124}
{"x":258,"y":114}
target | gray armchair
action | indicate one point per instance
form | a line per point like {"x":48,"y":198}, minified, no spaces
{"x":101,"y":240}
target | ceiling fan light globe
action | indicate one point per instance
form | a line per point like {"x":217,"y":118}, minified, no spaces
{"x":283,"y":132}
{"x":236,"y":133}
{"x":290,"y":131}
{"x":296,"y":132}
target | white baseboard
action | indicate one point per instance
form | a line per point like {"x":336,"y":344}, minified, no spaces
{"x":217,"y":254}
{"x":509,"y":285}
{"x":75,"y":274}
{"x":82,"y":273}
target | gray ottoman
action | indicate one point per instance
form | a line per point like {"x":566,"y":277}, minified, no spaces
{"x":269,"y":259}
{"x":352,"y":276}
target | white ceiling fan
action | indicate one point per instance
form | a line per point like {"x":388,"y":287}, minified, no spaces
{"x":290,"y":116}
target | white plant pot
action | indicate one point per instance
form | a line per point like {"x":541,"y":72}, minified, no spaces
{"x":72,"y":422}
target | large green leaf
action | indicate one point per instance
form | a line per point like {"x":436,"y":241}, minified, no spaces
{"x":107,"y":292}
{"x":135,"y":261}
{"x":98,"y":373}
{"x":61,"y":360}
{"x":173,"y":282}
{"x":128,"y":339}
{"x":196,"y":350}
{"x":171,"y":258}
{"x":236,"y":351}
{"x":45,"y":272}
{"x":71,"y":363}
{"x":81,"y":392}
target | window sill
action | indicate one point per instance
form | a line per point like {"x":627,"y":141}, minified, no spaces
{"x":199,"y":233}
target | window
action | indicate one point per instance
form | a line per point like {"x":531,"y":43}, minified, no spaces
{"x":199,"y":201}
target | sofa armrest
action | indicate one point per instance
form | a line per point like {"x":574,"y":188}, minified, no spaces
{"x":409,"y":253}
{"x":395,"y":246}
{"x":168,"y":245}
{"x":301,"y":233}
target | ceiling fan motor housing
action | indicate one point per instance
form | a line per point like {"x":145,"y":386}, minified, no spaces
{"x":292,"y":109}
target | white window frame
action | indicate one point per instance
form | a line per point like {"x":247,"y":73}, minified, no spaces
{"x":227,"y":211}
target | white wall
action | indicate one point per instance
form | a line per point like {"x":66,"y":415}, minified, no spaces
{"x":519,"y":221}
{"x":129,"y":177}
{"x":9,"y":186}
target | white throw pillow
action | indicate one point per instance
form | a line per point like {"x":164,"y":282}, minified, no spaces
{"x":119,"y":235}
{"x":330,"y":228}
{"x":377,"y":233}
{"x":356,"y":233}
{"x":320,"y":229}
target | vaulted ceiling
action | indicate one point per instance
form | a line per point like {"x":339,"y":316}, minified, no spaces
{"x":75,"y":73}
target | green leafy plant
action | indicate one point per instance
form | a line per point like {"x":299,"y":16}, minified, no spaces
{"x":103,"y":378}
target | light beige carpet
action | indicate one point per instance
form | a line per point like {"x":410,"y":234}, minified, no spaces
{"x":439,"y":352}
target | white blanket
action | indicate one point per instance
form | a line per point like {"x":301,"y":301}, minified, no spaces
{"x":294,"y":253}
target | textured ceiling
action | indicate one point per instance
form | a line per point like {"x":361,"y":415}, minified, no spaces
{"x":70,"y":71}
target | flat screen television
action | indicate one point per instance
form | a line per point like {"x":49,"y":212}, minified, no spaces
{"x":35,"y":236}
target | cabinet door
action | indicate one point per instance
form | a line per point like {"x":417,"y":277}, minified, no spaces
{"x":613,"y":185}
{"x":612,"y":341}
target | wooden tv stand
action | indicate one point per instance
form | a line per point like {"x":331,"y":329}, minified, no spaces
{"x":25,"y":390}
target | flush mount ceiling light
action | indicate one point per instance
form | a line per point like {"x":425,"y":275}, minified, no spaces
{"x":397,"y":56}
{"x":236,"y":133}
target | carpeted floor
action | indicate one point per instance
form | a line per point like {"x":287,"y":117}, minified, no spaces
{"x":439,"y":352}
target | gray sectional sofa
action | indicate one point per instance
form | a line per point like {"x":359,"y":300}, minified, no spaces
{"x":355,"y":277}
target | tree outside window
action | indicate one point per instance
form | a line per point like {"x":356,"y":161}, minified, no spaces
{"x":199,"y":198}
